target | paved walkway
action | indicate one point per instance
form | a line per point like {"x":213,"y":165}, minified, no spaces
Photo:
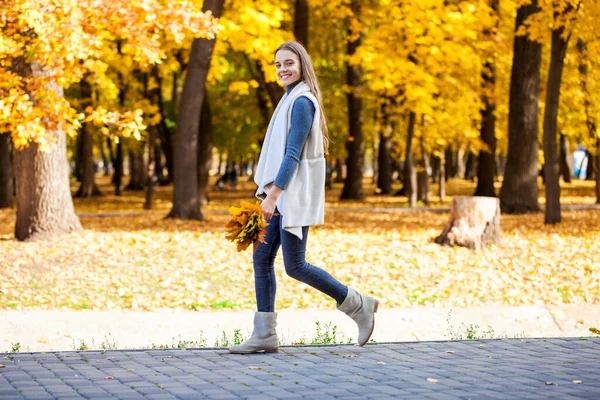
{"x":491,"y":369}
{"x":64,"y":330}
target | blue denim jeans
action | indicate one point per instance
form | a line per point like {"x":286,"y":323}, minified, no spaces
{"x":294,"y":251}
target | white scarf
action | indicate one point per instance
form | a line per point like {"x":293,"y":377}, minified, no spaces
{"x":302,"y":203}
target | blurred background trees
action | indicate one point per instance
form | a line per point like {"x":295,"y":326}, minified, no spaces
{"x":501,"y":92}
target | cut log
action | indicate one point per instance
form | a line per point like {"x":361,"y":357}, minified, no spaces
{"x":474,"y":223}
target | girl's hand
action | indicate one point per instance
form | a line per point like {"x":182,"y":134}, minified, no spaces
{"x":268,"y":207}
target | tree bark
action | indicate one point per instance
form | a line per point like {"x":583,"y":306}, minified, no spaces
{"x":474,"y":223}
{"x":565,"y":165}
{"x":105,"y":161}
{"x":118,"y":169}
{"x":78,"y":171}
{"x":301,"y":22}
{"x":590,"y":121}
{"x":137,"y":170}
{"x":519,"y":192}
{"x":205,"y":145}
{"x":470,"y":170}
{"x":423,"y":175}
{"x":442,"y":175}
{"x":551,"y":166}
{"x":590,"y":174}
{"x":111,"y":153}
{"x":451,"y":169}
{"x":339,"y":170}
{"x":88,"y":187}
{"x":384,"y":161}
{"x":117,"y":179}
{"x":328,"y":175}
{"x":597,"y":169}
{"x":44,"y":204}
{"x":486,"y":167}
{"x":186,"y":200}
{"x":150,"y":167}
{"x":164,"y":133}
{"x":410,"y":176}
{"x":6,"y":172}
{"x":353,"y":188}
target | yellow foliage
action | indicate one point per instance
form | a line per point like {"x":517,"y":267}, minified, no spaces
{"x":247,"y":225}
{"x":48,"y":40}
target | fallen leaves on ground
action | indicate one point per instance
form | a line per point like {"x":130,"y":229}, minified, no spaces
{"x":146,"y":262}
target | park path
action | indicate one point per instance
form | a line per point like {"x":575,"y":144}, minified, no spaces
{"x":488,"y":369}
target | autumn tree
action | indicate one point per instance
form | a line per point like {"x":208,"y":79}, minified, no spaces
{"x":486,"y":167}
{"x":6,"y":173}
{"x":560,"y":40}
{"x":519,"y":192}
{"x":186,"y":201}
{"x":42,"y":49}
{"x":353,"y":189}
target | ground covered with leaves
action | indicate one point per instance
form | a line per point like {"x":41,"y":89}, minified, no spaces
{"x":128,"y":258}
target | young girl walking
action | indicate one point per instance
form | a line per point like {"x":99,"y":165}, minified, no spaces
{"x":291,"y":184}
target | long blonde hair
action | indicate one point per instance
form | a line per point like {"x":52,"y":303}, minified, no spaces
{"x":310,"y":78}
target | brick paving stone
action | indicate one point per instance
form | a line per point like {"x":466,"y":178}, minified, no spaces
{"x":499,"y":369}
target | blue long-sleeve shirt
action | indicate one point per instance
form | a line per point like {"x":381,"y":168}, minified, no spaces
{"x":302,"y":116}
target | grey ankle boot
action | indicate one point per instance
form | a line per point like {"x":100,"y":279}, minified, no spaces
{"x":362,"y":310}
{"x":263,"y":338}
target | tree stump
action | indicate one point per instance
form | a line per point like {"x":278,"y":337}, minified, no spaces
{"x":474,"y":223}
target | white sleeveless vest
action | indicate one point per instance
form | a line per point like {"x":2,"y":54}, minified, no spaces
{"x":302,"y":203}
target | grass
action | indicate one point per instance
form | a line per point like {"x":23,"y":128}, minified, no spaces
{"x":326,"y":333}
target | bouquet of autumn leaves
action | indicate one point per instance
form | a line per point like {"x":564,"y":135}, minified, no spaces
{"x":247,"y":225}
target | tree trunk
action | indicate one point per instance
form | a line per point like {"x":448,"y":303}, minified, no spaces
{"x":353,"y":189}
{"x":328,"y":175}
{"x":589,"y":170}
{"x":117,"y":179}
{"x":384,"y":161}
{"x":150,"y":167}
{"x":460,"y":164}
{"x":301,"y":22}
{"x":137,"y":170}
{"x":486,"y":167}
{"x":78,"y":170}
{"x":590,"y":121}
{"x":44,"y":204}
{"x":474,"y":223}
{"x":164,"y":133}
{"x":565,"y":160}
{"x":470,"y":167}
{"x":410,"y":176}
{"x":435,"y":168}
{"x":551,"y":166}
{"x":6,"y":172}
{"x":186,"y":200}
{"x":423,"y":175}
{"x":204,"y":151}
{"x":158,"y":162}
{"x":118,"y":168}
{"x":88,"y":187}
{"x":441,"y":177}
{"x":111,"y":154}
{"x":105,"y":161}
{"x":451,"y":157}
{"x":597,"y":169}
{"x":519,"y":192}
{"x":339,"y":171}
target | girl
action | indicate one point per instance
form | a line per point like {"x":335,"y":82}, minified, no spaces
{"x":291,"y":184}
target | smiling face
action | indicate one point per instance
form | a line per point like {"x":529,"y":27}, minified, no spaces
{"x":288,"y":67}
